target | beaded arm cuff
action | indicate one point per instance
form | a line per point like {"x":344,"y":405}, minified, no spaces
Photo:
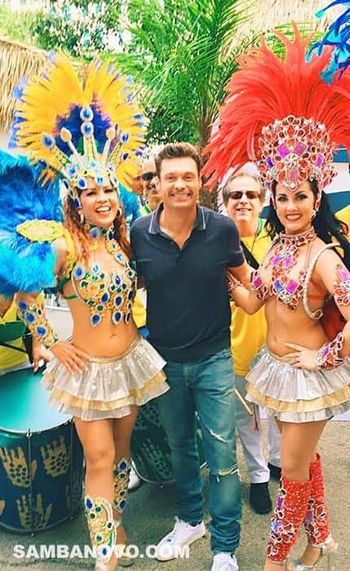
{"x":33,"y":315}
{"x":327,"y":356}
{"x":342,"y":286}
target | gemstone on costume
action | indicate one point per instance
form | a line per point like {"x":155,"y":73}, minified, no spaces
{"x":300,"y":148}
{"x":319,"y":161}
{"x":86,"y":114}
{"x":105,"y":297}
{"x":278,"y":286}
{"x":94,"y":232}
{"x":81,"y":183}
{"x":118,"y":301}
{"x":22,"y":305}
{"x":283,"y":150}
{"x":48,"y":141}
{"x":269,"y":162}
{"x":117,"y":316}
{"x":41,"y":331}
{"x":88,"y":503}
{"x":95,"y":319}
{"x":117,"y":280}
{"x":87,"y":129}
{"x":30,"y":317}
{"x":292,"y":287}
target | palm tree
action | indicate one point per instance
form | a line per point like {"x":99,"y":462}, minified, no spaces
{"x":183,"y":52}
{"x":178,"y":55}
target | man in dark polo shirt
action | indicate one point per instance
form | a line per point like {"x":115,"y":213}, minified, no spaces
{"x":182,"y":252}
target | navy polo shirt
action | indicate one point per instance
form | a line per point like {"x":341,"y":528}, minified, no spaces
{"x":188,"y":309}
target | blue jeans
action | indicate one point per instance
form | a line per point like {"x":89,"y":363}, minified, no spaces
{"x":206,"y":387}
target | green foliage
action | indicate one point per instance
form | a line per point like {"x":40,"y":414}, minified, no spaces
{"x":78,"y":27}
{"x":15,"y":25}
{"x":178,"y":55}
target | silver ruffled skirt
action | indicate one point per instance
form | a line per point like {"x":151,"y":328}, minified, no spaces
{"x":110,"y":385}
{"x":297,"y":395}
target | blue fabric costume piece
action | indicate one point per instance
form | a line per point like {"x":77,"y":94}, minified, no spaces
{"x":24,"y":265}
{"x":338,"y":36}
{"x":130,"y":203}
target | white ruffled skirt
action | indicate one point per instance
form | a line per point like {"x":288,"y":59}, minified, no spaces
{"x":110,"y":385}
{"x":297,"y":395}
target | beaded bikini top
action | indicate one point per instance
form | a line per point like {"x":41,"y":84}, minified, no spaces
{"x":286,"y":250}
{"x":106,"y":291}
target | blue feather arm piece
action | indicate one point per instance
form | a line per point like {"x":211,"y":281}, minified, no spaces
{"x":25,"y":265}
{"x":337,"y":36}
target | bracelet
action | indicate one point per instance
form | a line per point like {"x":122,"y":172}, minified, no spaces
{"x":33,"y":315}
{"x":327,"y":357}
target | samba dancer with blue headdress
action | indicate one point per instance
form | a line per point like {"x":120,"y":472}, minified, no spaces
{"x":88,"y":134}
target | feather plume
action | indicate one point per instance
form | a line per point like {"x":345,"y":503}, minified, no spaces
{"x":267,"y":88}
{"x":25,"y":265}
{"x":55,"y":98}
{"x":337,"y":36}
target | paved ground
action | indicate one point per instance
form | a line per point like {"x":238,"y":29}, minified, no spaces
{"x":150,"y":511}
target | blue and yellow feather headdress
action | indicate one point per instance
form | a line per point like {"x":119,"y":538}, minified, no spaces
{"x":80,"y":127}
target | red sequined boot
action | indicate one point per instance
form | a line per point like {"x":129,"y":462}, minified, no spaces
{"x":289,"y":514}
{"x":316,"y":520}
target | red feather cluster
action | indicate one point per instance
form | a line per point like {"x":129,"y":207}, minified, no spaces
{"x":267,"y":88}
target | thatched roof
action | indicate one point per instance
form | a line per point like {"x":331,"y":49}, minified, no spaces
{"x":16,"y":60}
{"x":265,"y":15}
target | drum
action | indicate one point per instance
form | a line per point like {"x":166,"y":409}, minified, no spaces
{"x":150,"y":448}
{"x":41,"y":458}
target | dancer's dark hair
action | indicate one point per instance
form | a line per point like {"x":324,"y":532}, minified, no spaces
{"x":325,"y":223}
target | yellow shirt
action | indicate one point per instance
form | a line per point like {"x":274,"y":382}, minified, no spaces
{"x":344,"y":216}
{"x":8,"y":357}
{"x":139,"y":311}
{"x":248,"y":332}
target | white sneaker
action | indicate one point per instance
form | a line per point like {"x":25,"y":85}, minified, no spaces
{"x":134,"y":480}
{"x":183,"y":534}
{"x":224,"y":562}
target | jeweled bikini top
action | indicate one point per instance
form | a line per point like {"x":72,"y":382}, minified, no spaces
{"x":286,"y":250}
{"x":102,"y":291}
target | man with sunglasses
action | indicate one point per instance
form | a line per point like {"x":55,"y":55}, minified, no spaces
{"x":151,"y":192}
{"x":243,"y":198}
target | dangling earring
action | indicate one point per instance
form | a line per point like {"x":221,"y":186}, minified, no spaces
{"x":314,"y":212}
{"x":81,"y":218}
{"x":119,"y":213}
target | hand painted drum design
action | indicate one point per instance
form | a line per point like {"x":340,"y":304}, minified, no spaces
{"x":41,"y":458}
{"x":150,"y":448}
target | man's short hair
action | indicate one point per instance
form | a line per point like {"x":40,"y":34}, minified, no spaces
{"x":178,"y":151}
{"x":242,"y":172}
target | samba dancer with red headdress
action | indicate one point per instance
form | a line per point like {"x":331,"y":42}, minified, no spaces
{"x":282,"y":114}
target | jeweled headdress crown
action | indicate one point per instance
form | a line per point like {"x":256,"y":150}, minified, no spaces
{"x":80,"y":127}
{"x":281,"y":114}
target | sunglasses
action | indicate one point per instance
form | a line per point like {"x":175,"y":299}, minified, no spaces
{"x":250,"y":194}
{"x":148,"y":175}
